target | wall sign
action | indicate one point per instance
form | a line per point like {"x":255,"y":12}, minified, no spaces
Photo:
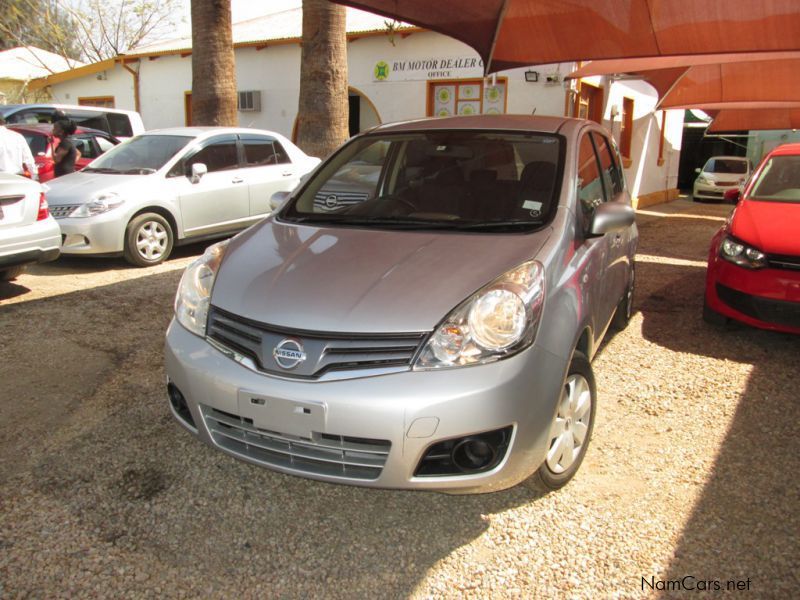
{"x":425,"y":69}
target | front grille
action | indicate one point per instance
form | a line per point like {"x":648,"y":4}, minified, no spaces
{"x":779,"y":312}
{"x":330,"y":201}
{"x":322,"y":454}
{"x":727,"y":183}
{"x":60,"y":211}
{"x":325,"y":352}
{"x":791,"y":263}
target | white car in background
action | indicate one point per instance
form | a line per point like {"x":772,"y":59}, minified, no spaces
{"x":28,"y":233}
{"x":720,"y":174}
{"x":174,"y":186}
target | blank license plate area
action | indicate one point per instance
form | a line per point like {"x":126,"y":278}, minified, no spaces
{"x":11,"y":208}
{"x":294,"y":417}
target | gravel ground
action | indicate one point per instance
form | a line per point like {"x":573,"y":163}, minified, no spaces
{"x":692,"y":470}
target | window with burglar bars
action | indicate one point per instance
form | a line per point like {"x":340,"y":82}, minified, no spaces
{"x":250,"y":101}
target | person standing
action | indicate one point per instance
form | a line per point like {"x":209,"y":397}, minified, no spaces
{"x":15,"y":155}
{"x":65,"y":153}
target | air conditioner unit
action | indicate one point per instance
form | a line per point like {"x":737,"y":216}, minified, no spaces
{"x":250,"y":101}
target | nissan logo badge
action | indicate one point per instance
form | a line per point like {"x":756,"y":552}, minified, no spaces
{"x":288,"y":354}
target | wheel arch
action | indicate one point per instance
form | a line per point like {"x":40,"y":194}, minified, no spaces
{"x":164,"y":212}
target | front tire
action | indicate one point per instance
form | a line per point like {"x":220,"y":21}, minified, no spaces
{"x":11,"y":273}
{"x":148,"y":240}
{"x":571,"y":428}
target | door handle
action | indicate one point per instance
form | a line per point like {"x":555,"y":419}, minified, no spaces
{"x":287,"y":173}
{"x":237,"y":180}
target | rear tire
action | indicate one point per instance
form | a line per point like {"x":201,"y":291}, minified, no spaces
{"x":148,"y":240}
{"x":624,"y":312}
{"x":11,"y":273}
{"x":571,"y":428}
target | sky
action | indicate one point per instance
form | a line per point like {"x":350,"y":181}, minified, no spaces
{"x":242,"y":10}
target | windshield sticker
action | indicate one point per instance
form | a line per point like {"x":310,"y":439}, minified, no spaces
{"x":534,"y":207}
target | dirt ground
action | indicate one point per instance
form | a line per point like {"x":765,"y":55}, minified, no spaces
{"x":692,"y":471}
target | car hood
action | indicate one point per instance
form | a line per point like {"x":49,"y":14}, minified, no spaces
{"x":770,"y":226}
{"x":360,"y":280}
{"x":79,"y":187}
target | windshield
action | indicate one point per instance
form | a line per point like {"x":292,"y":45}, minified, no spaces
{"x":779,"y":180}
{"x":725,"y":165}
{"x":437,"y":180}
{"x":143,"y":154}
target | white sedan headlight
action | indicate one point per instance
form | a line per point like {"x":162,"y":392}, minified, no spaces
{"x":497,"y":321}
{"x":102,"y":202}
{"x":194,"y":291}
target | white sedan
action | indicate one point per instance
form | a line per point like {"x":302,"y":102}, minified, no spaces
{"x":174,"y":186}
{"x":28,"y":233}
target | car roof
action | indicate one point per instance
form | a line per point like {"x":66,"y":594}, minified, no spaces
{"x":728,"y":158}
{"x":786,"y":149}
{"x":47,"y":129}
{"x":8,"y":108}
{"x":484,"y":123}
{"x":203,"y":131}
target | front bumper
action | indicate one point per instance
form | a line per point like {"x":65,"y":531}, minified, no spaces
{"x":765,"y":298}
{"x":710,"y":191}
{"x":408,"y":412}
{"x":101,"y":234}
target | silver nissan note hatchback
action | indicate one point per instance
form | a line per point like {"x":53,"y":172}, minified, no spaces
{"x":421,"y":313}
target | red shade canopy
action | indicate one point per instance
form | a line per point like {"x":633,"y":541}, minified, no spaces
{"x":515,"y":33}
{"x":761,"y":118}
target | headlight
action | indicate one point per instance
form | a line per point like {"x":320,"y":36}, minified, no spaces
{"x":741,"y":254}
{"x":101,"y":203}
{"x":497,"y":321}
{"x":194,"y":290}
{"x":703,"y":180}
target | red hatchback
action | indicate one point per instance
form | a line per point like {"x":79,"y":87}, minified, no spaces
{"x":91,"y":143}
{"x":754,"y":262}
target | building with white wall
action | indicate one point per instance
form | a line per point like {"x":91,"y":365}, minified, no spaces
{"x":396,"y":72}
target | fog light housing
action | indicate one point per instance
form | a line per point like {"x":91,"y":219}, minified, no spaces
{"x":179,"y":405}
{"x":467,"y":455}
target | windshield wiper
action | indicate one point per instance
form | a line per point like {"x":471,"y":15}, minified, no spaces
{"x":138,"y":171}
{"x":499,"y":224}
{"x":100,"y":170}
{"x":393,"y":223}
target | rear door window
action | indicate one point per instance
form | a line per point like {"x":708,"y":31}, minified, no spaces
{"x":258,"y":151}
{"x":119,"y":125}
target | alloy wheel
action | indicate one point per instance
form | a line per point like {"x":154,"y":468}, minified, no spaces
{"x":571,"y":426}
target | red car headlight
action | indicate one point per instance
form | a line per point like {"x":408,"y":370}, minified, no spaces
{"x":742,"y":254}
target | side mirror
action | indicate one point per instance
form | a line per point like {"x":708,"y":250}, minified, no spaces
{"x":697,"y":170}
{"x":611,"y":216}
{"x":733,"y":195}
{"x":278,"y":199}
{"x":198,"y":170}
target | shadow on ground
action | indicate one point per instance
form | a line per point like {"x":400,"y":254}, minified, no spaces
{"x":94,"y":465}
{"x":746,"y":523}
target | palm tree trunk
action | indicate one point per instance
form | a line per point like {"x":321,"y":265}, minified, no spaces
{"x":213,"y":64}
{"x":322,"y":119}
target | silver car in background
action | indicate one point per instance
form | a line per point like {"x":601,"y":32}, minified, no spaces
{"x":720,"y":174}
{"x":432,"y":329}
{"x":28,"y":233}
{"x":174,"y":186}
